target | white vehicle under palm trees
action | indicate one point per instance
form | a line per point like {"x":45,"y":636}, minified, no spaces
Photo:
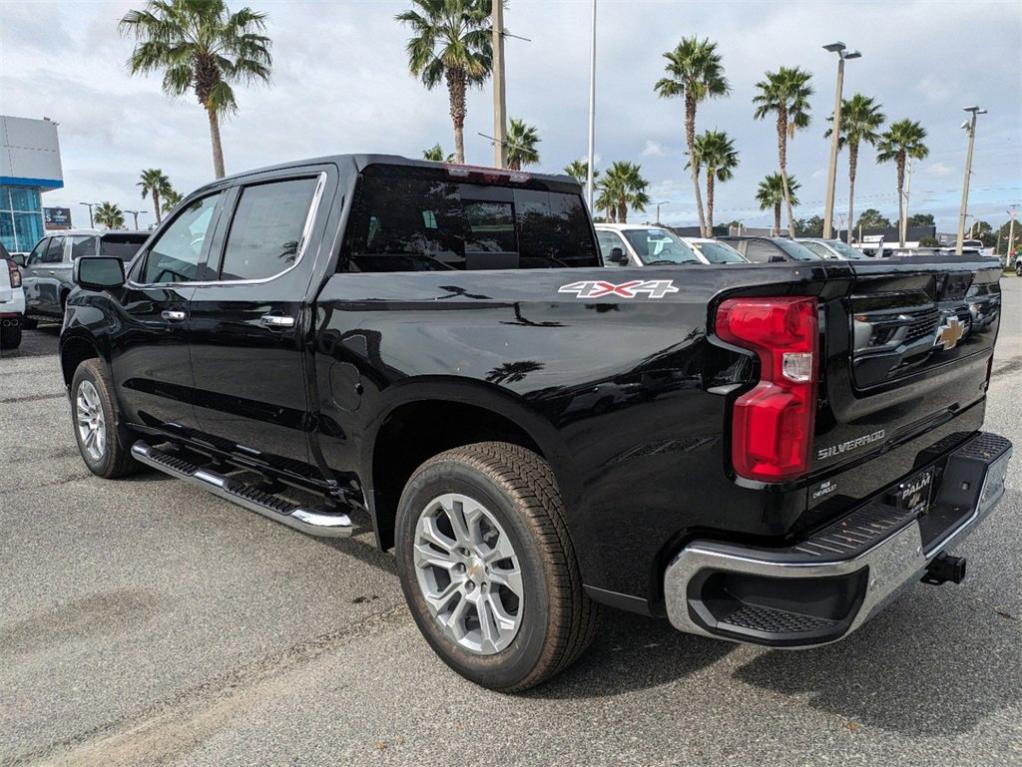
{"x":643,"y":245}
{"x":835,"y":250}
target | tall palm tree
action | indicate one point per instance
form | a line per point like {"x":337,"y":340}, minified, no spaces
{"x":785,"y":92}
{"x":579,"y":170}
{"x":521,"y":144}
{"x":154,"y":182}
{"x":770,"y":194}
{"x":861,"y":120}
{"x":436,"y":154}
{"x":171,"y":199}
{"x":450,"y":41}
{"x":695,"y":73}
{"x":622,"y":187}
{"x":903,"y":140}
{"x":715,"y":152}
{"x":109,"y":215}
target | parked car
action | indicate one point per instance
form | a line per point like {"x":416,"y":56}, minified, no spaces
{"x":763,"y":250}
{"x":832,"y":249}
{"x":643,"y":245}
{"x":714,"y":251}
{"x":760,"y":455}
{"x":12,"y":301}
{"x":47,"y":269}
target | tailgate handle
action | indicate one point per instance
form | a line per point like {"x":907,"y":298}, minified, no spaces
{"x":277,"y":321}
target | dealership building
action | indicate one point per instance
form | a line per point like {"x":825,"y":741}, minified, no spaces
{"x":29,"y":166}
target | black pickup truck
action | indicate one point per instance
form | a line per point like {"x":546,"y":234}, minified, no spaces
{"x":763,"y":453}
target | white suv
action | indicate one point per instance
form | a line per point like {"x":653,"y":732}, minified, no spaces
{"x":12,"y":302}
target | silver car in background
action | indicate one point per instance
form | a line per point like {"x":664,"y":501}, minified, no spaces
{"x":834,"y":250}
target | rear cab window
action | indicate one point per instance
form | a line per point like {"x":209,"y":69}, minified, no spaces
{"x":407,"y":218}
{"x":123,"y":245}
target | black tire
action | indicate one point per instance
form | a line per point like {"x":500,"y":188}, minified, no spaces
{"x":10,"y":336}
{"x":518,"y":488}
{"x":115,"y":459}
{"x":1018,"y":269}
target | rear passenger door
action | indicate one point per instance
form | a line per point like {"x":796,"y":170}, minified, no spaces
{"x":47,"y":274}
{"x":248,"y":320}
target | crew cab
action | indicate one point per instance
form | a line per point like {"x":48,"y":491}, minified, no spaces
{"x":764,"y":453}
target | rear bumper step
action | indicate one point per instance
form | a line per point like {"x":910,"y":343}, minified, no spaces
{"x":311,"y":521}
{"x":823,"y":588}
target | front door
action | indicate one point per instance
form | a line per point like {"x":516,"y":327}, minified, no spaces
{"x":152,"y":365}
{"x":247,"y":324}
{"x":42,"y":283}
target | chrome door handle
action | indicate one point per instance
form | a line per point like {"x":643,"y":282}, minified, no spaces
{"x":276,"y":321}
{"x":172,"y":315}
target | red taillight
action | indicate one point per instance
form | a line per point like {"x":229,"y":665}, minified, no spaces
{"x":773,"y":423}
{"x":15,"y":274}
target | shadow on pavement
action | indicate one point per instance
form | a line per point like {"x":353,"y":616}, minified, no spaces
{"x":936,"y":678}
{"x":632,"y":652}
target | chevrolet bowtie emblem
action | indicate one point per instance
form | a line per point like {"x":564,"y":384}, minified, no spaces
{"x":949,"y":334}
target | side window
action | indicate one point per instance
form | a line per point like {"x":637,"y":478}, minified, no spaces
{"x":82,"y":245}
{"x":37,"y":252}
{"x":54,"y":251}
{"x":175,"y":256}
{"x":266,"y":232}
{"x":760,"y":252}
{"x":609,"y":241}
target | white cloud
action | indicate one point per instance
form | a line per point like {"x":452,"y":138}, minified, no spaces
{"x":938,"y":169}
{"x":653,"y":149}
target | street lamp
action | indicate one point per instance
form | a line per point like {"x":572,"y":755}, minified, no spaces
{"x":90,"y":205}
{"x":970,"y":128}
{"x":828,"y":213}
{"x":662,"y":202}
{"x":136,"y":214}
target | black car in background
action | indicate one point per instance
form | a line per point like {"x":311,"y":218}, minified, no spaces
{"x":764,"y":250}
{"x":47,"y":268}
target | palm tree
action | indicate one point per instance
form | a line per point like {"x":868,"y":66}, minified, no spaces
{"x":861,"y":120}
{"x":436,"y":154}
{"x":770,"y":194}
{"x":579,"y":170}
{"x":171,"y":199}
{"x":622,"y":187}
{"x":903,"y":140}
{"x":715,"y":152}
{"x":694,"y":72}
{"x":787,"y":93}
{"x":201,"y":46}
{"x":155,"y":182}
{"x":521,"y":144}
{"x":451,"y":42}
{"x":109,"y":215}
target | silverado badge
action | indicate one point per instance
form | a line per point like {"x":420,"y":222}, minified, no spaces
{"x":949,"y":334}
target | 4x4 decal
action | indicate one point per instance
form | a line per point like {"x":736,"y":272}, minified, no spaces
{"x":600,"y":288}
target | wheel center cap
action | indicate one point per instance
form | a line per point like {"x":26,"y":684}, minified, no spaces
{"x":475,"y":570}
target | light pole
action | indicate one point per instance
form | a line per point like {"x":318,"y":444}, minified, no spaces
{"x":499,"y":99}
{"x":842,"y":54}
{"x":89,"y":205}
{"x":970,"y":127}
{"x":592,"y":115}
{"x":136,"y":214}
{"x":1011,"y":235}
{"x":663,"y":202}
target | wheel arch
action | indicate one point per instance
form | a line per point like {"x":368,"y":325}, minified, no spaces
{"x":75,"y":348}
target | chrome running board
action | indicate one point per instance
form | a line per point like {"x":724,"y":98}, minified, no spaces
{"x":318,"y":523}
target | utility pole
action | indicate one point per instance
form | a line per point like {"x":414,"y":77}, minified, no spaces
{"x":969,"y":126}
{"x":664,"y":202}
{"x":499,"y":100}
{"x":92,"y":224}
{"x":592,"y":116}
{"x":828,"y":213}
{"x":903,"y":224}
{"x":1011,"y":234}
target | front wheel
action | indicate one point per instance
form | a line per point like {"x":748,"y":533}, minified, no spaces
{"x":104,"y":444}
{"x":487,"y":566}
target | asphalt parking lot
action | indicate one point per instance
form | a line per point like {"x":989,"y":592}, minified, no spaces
{"x":144,"y":622}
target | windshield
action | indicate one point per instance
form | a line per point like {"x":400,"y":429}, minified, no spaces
{"x":719,"y":253}
{"x":795,"y":250}
{"x":846,"y":251}
{"x":659,"y":246}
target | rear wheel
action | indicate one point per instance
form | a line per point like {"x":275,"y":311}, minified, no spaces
{"x":487,"y":566}
{"x":10,"y":335}
{"x":104,"y":443}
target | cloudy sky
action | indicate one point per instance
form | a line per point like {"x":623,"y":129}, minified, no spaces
{"x":340,"y":83}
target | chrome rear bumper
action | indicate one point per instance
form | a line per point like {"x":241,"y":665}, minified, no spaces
{"x":823,"y":588}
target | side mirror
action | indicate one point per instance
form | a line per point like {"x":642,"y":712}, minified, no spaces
{"x":99,"y":272}
{"x":618,"y":256}
{"x":19,"y":259}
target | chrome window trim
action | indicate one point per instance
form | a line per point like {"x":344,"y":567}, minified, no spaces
{"x":310,"y":220}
